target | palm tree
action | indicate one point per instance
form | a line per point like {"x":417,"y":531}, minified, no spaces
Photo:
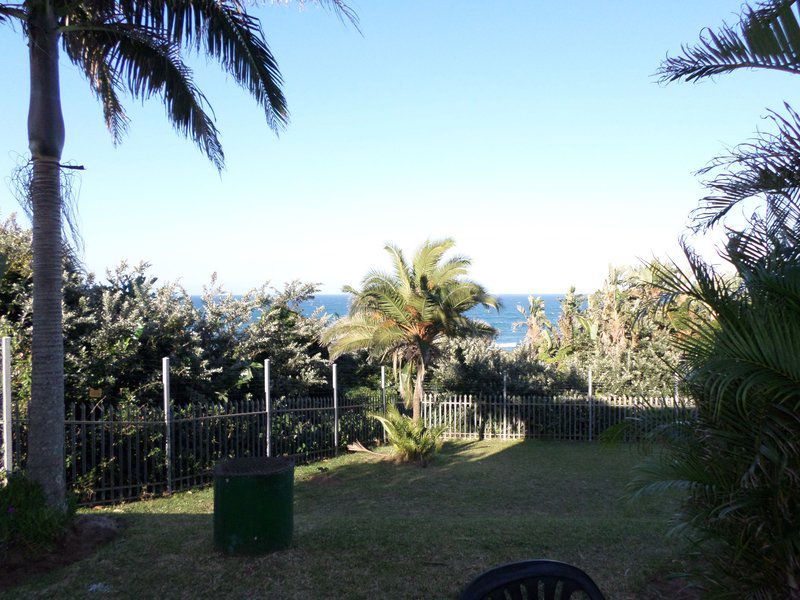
{"x":407,"y":314}
{"x":539,"y":335}
{"x":120,"y":45}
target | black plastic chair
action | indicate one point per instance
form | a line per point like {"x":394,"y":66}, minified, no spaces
{"x":520,"y":580}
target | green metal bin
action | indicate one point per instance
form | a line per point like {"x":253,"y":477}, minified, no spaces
{"x":253,"y":505}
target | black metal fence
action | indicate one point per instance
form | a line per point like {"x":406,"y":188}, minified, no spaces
{"x":131,"y":452}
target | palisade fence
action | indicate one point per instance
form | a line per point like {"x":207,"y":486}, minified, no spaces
{"x":569,"y":416}
{"x":116,"y":453}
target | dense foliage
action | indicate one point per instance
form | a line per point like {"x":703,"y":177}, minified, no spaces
{"x":740,"y":463}
{"x":118,"y":330}
{"x":478,"y":366}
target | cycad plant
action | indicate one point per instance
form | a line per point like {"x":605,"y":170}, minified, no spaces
{"x":121,"y":46}
{"x":739,"y":463}
{"x":411,"y":441}
{"x":406,"y":315}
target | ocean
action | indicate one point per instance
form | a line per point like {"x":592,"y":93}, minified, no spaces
{"x":502,"y":320}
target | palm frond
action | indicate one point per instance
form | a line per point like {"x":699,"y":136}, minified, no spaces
{"x":92,"y":58}
{"x":146,"y":64}
{"x":738,"y":465}
{"x":223,"y":30}
{"x":427,"y":258}
{"x":450,"y":270}
{"x":767,"y":37}
{"x":402,"y":271}
{"x":412,"y":442}
{"x":768,"y":165}
{"x":342,"y":10}
{"x":13,"y":11}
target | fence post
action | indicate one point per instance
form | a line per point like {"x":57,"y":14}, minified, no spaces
{"x":675,"y":399}
{"x":8,"y":450}
{"x":167,"y":420}
{"x":591,"y":408}
{"x":268,"y":408}
{"x":383,"y":397}
{"x":335,"y":413}
{"x":505,"y":405}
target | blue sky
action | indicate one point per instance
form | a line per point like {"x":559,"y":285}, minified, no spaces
{"x":532,"y":132}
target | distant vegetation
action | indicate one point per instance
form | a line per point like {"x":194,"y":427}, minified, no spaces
{"x":621,"y":332}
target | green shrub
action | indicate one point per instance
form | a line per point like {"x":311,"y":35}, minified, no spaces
{"x":412,"y":442}
{"x":26,"y":520}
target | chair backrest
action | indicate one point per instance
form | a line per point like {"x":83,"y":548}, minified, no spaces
{"x":557,"y":580}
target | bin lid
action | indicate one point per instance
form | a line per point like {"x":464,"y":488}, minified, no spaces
{"x":248,"y":466}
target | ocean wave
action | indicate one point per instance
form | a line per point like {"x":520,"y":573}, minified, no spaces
{"x":506,"y":344}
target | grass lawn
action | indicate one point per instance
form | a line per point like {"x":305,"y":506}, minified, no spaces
{"x":367,"y":528}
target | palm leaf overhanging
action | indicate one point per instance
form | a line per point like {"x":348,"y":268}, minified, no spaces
{"x":767,"y":166}
{"x":767,"y":36}
{"x":136,"y":47}
{"x":404,"y":316}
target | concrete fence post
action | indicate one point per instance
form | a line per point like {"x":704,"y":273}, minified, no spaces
{"x":675,"y":399}
{"x":505,"y":405}
{"x":267,"y":408}
{"x":335,"y":412}
{"x":590,"y":399}
{"x":8,"y":444}
{"x":167,"y":420}
{"x":383,"y":397}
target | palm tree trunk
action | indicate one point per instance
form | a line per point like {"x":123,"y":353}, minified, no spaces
{"x":46,"y":141}
{"x":416,"y":405}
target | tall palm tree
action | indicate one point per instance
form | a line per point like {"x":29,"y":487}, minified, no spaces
{"x":121,"y":46}
{"x":406,"y":315}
